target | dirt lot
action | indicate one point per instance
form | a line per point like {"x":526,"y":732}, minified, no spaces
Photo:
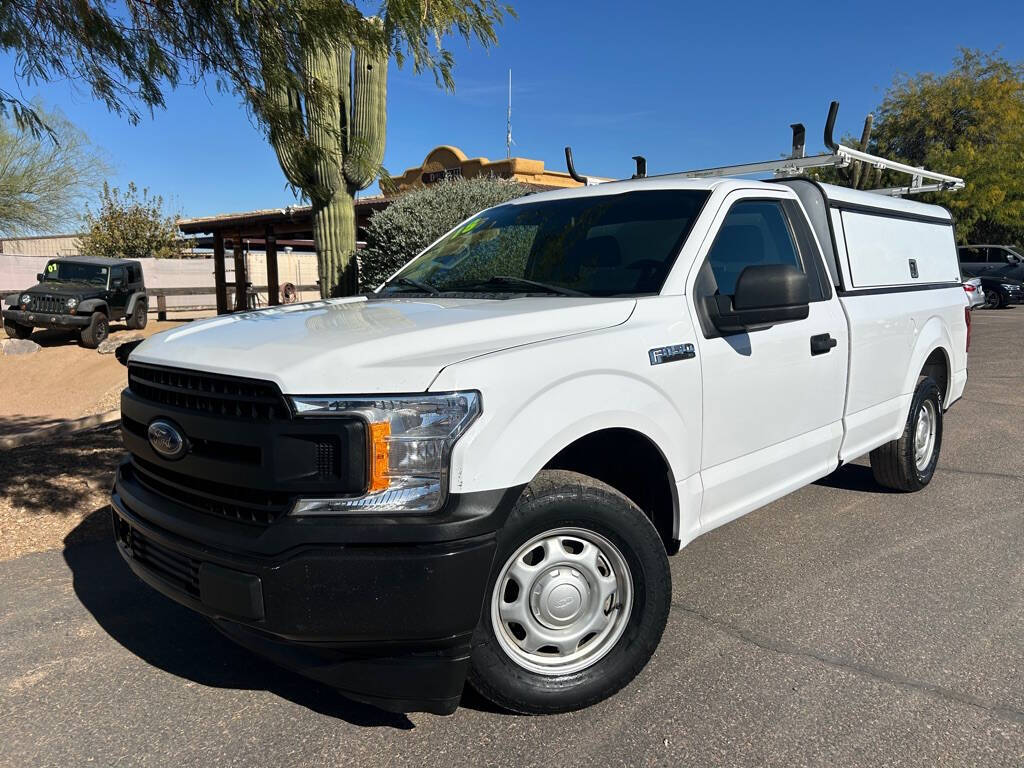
{"x":63,"y":380}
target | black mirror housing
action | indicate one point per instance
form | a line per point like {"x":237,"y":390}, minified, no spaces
{"x":766,"y":294}
{"x":40,"y":277}
{"x":118,"y":283}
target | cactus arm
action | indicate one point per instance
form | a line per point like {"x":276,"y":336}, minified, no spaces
{"x":369,"y":119}
{"x":323,"y":120}
{"x":286,"y":141}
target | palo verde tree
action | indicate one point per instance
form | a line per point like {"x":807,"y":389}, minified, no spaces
{"x":45,"y":176}
{"x":286,"y":60}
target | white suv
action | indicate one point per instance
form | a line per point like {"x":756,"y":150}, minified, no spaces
{"x":481,"y":468}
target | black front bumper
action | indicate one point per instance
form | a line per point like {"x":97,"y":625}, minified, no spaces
{"x":381,"y":608}
{"x":44,"y":320}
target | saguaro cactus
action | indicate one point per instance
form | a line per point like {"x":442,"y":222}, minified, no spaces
{"x":331,"y":145}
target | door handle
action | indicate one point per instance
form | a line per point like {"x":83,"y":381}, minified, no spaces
{"x":822,"y":343}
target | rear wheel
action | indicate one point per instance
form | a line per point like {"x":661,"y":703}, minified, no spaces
{"x":136,"y":321}
{"x":577,"y":601}
{"x":94,"y":333}
{"x":17,"y":330}
{"x":908,"y":463}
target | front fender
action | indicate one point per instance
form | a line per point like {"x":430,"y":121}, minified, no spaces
{"x":92,"y":305}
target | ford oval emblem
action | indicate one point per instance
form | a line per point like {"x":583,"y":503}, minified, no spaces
{"x":166,"y":439}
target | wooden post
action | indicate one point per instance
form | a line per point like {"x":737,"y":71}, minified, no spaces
{"x":240,"y":278}
{"x":161,"y":307}
{"x":272,"y":276}
{"x":218,"y":272}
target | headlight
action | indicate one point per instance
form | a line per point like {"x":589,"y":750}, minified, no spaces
{"x":1008,"y":286}
{"x":25,"y":298}
{"x":409,"y":443}
{"x":71,"y":304}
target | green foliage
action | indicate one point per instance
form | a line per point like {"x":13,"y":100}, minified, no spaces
{"x":132,"y":227}
{"x":44,"y":178}
{"x":418,"y":218}
{"x":129,"y":54}
{"x":970,"y":123}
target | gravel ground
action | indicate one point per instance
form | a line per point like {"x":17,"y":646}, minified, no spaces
{"x":49,"y":491}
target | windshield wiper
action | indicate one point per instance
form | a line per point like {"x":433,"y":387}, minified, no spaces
{"x":420,"y":284}
{"x":547,"y":287}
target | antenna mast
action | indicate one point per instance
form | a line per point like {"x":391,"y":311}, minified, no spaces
{"x":508,"y":124}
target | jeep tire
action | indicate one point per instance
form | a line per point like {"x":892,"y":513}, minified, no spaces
{"x":17,"y":330}
{"x":908,"y":463}
{"x":96,"y":331}
{"x":136,"y":321}
{"x":577,"y":600}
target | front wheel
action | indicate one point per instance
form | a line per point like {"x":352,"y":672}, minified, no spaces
{"x":17,"y":330}
{"x":96,"y":331}
{"x":993,"y":300}
{"x":577,"y":601}
{"x":908,"y":463}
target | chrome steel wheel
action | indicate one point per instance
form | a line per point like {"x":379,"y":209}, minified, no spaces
{"x":924,"y":435}
{"x":561,"y":601}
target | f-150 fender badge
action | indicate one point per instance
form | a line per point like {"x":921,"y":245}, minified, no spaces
{"x":670,"y":354}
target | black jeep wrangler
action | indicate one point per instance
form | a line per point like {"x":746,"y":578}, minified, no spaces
{"x":83,"y":294}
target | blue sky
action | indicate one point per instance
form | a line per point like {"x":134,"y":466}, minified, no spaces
{"x":687,"y":85}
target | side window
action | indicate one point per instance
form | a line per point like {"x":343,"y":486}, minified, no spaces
{"x":117,"y":273}
{"x":971,"y":255}
{"x":997,"y":256}
{"x":755,"y":232}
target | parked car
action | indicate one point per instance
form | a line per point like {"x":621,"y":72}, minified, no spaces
{"x":481,"y":469}
{"x":79,"y":294}
{"x":975,"y":292}
{"x":1001,"y":291}
{"x":981,"y":258}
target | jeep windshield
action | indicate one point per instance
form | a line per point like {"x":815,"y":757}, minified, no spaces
{"x":75,"y":272}
{"x":595,"y":245}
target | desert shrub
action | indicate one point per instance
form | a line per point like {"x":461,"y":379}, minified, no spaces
{"x":418,"y":218}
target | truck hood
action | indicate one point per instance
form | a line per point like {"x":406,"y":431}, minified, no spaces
{"x":65,"y":289}
{"x":360,"y":346}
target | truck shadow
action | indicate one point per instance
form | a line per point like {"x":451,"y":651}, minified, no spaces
{"x":176,"y":640}
{"x":853,"y":477}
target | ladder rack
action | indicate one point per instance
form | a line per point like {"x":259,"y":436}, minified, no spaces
{"x":839,"y":156}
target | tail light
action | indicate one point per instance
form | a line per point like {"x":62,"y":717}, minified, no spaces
{"x":967,"y":319}
{"x":968,"y":287}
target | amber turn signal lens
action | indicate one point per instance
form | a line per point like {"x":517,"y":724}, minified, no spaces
{"x":380,"y":431}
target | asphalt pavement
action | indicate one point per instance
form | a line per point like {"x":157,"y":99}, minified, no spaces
{"x":842,"y":625}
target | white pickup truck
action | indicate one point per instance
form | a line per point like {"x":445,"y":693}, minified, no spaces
{"x":481,"y":468}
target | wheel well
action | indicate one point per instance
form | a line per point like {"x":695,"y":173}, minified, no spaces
{"x":937,"y":366}
{"x":632,"y":464}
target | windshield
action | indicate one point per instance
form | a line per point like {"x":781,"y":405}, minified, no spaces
{"x":599,"y":245}
{"x":75,"y":272}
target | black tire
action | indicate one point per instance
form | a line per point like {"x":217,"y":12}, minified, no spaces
{"x":993,"y":300}
{"x":94,"y":333}
{"x":559,"y":499}
{"x":894,"y":464}
{"x":17,"y":330}
{"x":136,"y":321}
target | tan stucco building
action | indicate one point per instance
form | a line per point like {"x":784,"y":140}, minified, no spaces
{"x":443,"y":162}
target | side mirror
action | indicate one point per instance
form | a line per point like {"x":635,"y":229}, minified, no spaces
{"x":40,"y":277}
{"x":765,"y":295}
{"x":118,"y":283}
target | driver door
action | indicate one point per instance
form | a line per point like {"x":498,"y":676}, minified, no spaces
{"x":118,"y":292}
{"x":773,"y":401}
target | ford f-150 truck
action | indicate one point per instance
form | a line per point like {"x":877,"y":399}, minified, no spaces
{"x":480,"y":469}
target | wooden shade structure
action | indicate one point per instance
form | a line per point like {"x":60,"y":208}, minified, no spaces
{"x":268,"y":227}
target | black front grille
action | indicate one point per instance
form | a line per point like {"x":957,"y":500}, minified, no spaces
{"x":245,"y":505}
{"x":226,"y":396}
{"x":176,"y":569}
{"x":50,"y":305}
